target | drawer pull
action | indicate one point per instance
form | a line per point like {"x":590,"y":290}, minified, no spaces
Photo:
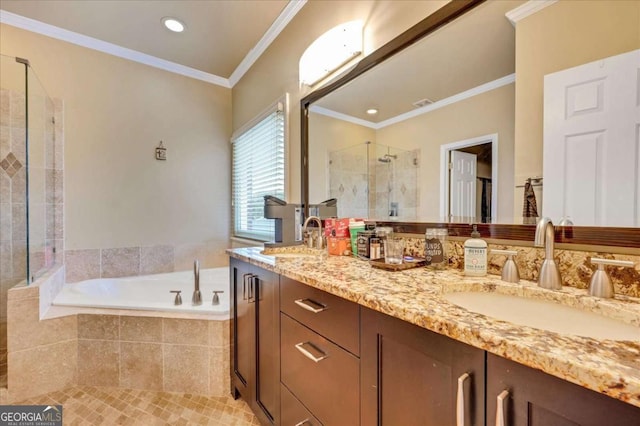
{"x":310,"y":305}
{"x":500,"y":414}
{"x":304,"y":422}
{"x":308,"y":354}
{"x":460,"y":400}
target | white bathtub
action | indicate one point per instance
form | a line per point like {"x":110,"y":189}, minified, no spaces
{"x":150,"y":292}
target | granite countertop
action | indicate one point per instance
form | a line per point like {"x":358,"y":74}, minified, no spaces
{"x":606,"y":366}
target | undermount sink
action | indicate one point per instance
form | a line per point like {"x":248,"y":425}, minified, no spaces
{"x":544,"y":315}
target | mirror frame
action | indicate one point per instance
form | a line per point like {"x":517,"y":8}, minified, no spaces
{"x":582,"y":235}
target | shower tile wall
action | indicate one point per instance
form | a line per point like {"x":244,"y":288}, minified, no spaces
{"x":397,"y":182}
{"x":348,"y":182}
{"x":46,"y":140}
{"x":362,"y":194}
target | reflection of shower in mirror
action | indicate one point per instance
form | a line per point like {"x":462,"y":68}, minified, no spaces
{"x":387,"y":158}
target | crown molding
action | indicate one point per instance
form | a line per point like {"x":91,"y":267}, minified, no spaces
{"x":526,"y":9}
{"x":109,"y":48}
{"x":340,"y":116}
{"x":492,"y":85}
{"x":288,"y":13}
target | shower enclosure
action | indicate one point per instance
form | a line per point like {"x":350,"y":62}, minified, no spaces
{"x":374,"y":181}
{"x":30,"y":183}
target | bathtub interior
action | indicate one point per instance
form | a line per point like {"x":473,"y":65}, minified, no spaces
{"x":150,"y":292}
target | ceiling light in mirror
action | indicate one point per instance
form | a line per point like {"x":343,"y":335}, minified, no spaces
{"x":330,"y":52}
{"x":173,"y":24}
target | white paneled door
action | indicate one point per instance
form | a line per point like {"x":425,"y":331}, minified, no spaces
{"x":463,"y":186}
{"x":592,"y":142}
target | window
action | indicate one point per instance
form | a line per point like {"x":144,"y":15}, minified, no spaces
{"x":258,"y":170}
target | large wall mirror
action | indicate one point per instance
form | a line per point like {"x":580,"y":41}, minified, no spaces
{"x":464,"y":92}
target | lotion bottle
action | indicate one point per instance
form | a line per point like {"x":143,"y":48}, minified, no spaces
{"x":475,"y":255}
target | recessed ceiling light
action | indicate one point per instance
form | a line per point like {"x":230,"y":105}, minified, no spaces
{"x":372,"y":111}
{"x":173,"y":24}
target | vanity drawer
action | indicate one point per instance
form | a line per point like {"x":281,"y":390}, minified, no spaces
{"x":331,"y":316}
{"x":292,"y":412}
{"x":322,"y":375}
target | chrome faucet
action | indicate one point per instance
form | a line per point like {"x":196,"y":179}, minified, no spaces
{"x":197,"y":297}
{"x":319,"y":240}
{"x":549,"y":273}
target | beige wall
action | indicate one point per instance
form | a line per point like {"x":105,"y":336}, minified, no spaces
{"x":116,"y":112}
{"x":488,"y":113}
{"x":563,"y":35}
{"x":276,"y":72}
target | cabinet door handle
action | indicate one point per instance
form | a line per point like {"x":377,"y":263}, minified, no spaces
{"x":304,"y":422}
{"x":252,"y":283}
{"x":500,"y":414}
{"x":244,"y":286}
{"x":308,"y":354}
{"x":310,"y":305}
{"x":460,"y":400}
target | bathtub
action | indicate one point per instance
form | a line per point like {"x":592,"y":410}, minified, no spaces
{"x":150,"y":292}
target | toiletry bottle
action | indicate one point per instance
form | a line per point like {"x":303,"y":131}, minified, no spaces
{"x":435,"y":243}
{"x":475,"y":255}
{"x":355,"y":227}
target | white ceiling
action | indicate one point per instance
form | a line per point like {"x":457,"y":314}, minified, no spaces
{"x":218,"y":37}
{"x":474,"y":50}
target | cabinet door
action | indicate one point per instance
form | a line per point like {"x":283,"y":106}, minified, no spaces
{"x":242,"y":330}
{"x":534,"y":398}
{"x":410,"y":375}
{"x":267,"y":311}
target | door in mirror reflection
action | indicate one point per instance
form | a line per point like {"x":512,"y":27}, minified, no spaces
{"x":592,"y":142}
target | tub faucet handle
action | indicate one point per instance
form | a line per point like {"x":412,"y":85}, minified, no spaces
{"x":216,"y":298}
{"x":178,"y":299}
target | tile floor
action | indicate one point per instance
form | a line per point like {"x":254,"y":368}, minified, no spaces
{"x":87,"y":405}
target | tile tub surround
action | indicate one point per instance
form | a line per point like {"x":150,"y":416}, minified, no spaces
{"x":63,"y":347}
{"x":85,"y":264}
{"x":575,"y":266}
{"x":154,"y":353}
{"x":605,"y":366}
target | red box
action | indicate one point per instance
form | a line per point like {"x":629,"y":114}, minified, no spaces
{"x":336,"y":227}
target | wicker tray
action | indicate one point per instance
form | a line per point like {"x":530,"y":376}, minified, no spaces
{"x":415,"y":263}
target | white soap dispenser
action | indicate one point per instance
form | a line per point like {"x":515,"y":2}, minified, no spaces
{"x":475,"y":255}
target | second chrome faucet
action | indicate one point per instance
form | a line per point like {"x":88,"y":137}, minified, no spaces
{"x":197,"y":296}
{"x":549,"y":273}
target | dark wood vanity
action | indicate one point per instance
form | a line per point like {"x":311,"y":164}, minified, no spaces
{"x":302,"y":356}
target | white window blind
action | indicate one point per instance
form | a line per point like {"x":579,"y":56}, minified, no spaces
{"x":258,"y":170}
